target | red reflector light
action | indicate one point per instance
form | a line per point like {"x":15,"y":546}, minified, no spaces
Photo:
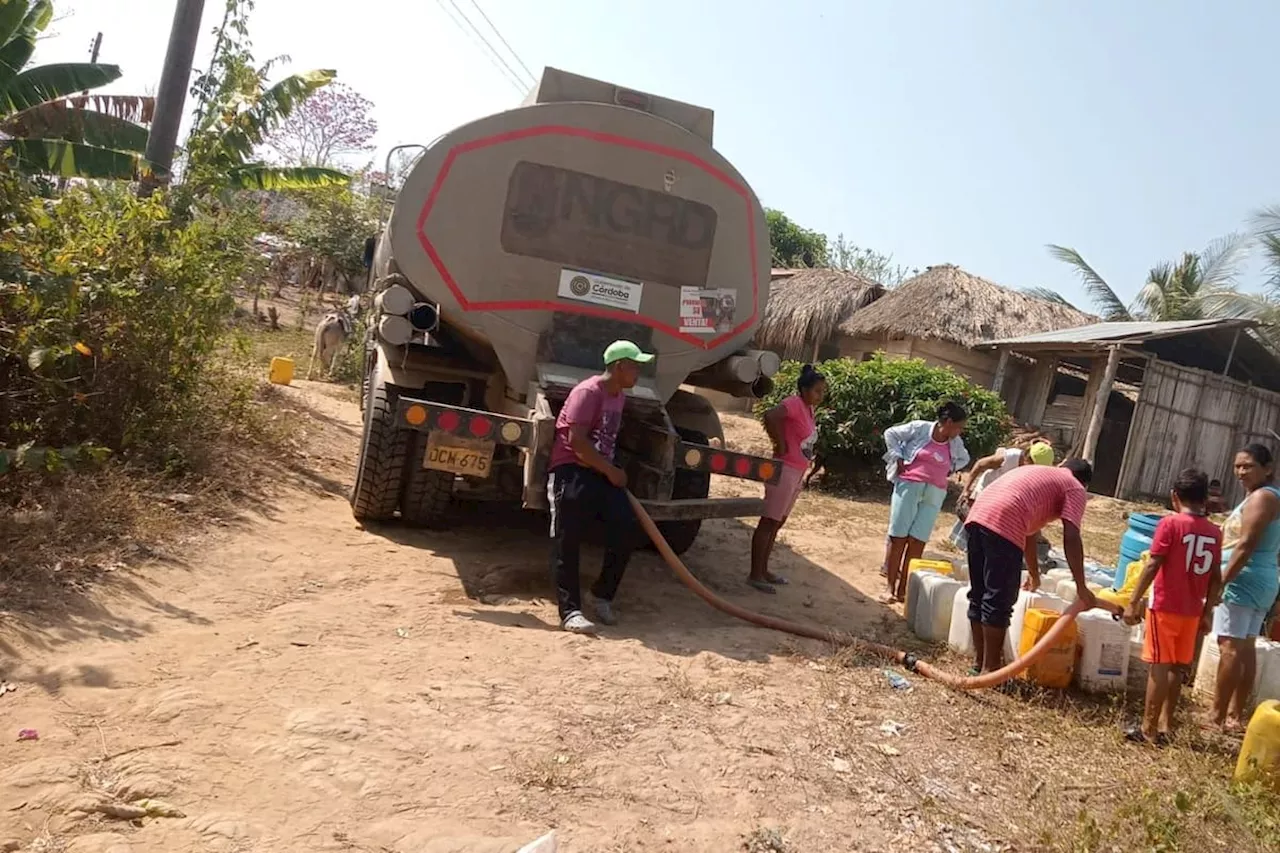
{"x":742,"y":466}
{"x":448,"y":421}
{"x":480,"y":426}
{"x":718,"y":462}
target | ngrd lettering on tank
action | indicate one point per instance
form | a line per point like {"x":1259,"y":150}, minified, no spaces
{"x":625,"y":209}
{"x":597,"y":223}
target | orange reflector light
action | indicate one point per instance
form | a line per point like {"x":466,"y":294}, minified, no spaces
{"x":766,"y":470}
{"x":416,"y":415}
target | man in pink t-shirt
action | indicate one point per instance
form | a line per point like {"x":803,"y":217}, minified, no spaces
{"x":1003,"y":527}
{"x":583,"y":484}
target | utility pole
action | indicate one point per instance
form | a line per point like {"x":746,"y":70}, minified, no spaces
{"x":172,"y":93}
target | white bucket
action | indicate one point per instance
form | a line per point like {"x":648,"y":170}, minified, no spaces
{"x":959,"y":632}
{"x":1104,"y":652}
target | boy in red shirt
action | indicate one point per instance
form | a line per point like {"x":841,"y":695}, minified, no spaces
{"x":1186,"y":556}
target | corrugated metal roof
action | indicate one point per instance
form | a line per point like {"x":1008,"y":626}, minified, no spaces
{"x":1099,"y":333}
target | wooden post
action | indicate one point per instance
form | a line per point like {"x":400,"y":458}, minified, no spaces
{"x":1043,"y":378}
{"x":1002,"y":367}
{"x":1100,"y":404}
{"x":1231,"y":354}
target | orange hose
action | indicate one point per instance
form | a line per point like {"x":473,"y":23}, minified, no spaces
{"x":961,"y":682}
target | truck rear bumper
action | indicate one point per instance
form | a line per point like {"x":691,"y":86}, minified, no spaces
{"x":693,"y":509}
{"x":469,"y":428}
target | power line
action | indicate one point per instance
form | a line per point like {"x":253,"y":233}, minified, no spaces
{"x":489,"y":54}
{"x":533,"y":77}
{"x":487,"y":44}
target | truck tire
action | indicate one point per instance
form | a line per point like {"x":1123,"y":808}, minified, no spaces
{"x":681,"y":535}
{"x":383,"y":453}
{"x":427,"y":494}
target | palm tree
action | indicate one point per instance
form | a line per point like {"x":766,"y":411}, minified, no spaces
{"x":1199,"y":285}
{"x":1265,"y":305}
{"x":44,"y":127}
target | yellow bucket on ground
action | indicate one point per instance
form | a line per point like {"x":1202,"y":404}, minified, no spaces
{"x":1260,"y":752}
{"x":1059,"y":663}
{"x":281,"y":372}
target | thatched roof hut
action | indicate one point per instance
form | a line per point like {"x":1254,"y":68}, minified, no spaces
{"x":808,"y":307}
{"x":946,"y":303}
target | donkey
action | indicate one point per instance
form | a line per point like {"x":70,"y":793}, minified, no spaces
{"x":331,"y":336}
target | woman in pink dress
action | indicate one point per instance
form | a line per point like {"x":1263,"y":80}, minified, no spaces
{"x":792,"y":430}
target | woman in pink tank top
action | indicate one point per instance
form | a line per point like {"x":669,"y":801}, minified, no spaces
{"x":794,"y":433}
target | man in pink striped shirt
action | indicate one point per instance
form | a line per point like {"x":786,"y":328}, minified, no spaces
{"x":1003,"y":526}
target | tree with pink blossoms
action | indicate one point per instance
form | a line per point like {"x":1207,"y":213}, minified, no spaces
{"x":334,"y":123}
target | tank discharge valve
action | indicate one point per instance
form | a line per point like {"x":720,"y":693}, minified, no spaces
{"x":395,"y":299}
{"x":425,"y":317}
{"x":395,"y":330}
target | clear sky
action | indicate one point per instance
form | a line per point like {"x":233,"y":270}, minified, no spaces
{"x":963,"y":131}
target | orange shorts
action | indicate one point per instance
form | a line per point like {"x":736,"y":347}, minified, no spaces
{"x":1170,"y":638}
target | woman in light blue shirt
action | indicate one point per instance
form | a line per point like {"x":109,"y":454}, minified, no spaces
{"x":920,"y":456}
{"x":1251,"y":581}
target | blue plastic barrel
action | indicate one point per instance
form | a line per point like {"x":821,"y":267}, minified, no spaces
{"x":1142,"y":526}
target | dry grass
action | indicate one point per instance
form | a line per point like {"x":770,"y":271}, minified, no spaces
{"x":60,"y":534}
{"x":1038,"y":770}
{"x":948,"y":303}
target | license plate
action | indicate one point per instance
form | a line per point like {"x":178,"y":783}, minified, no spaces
{"x":471,"y":457}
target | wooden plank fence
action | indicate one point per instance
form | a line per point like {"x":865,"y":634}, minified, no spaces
{"x":1185,"y":416}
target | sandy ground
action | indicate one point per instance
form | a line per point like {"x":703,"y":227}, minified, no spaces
{"x":293,"y":682}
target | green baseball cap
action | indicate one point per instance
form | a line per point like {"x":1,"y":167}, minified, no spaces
{"x":625,"y":351}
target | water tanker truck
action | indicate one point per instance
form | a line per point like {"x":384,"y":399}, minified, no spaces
{"x":518,"y":248}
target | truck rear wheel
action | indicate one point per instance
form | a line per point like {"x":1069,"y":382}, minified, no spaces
{"x":383,"y":452}
{"x":681,"y":535}
{"x":427,"y":494}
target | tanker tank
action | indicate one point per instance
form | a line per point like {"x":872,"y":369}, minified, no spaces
{"x":519,"y":246}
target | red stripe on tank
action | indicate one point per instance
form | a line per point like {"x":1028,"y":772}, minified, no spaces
{"x":568,"y":307}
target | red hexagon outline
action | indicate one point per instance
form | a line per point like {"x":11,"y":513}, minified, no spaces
{"x":547,"y":305}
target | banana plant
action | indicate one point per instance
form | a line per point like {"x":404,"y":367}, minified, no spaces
{"x":239,"y":119}
{"x":46,"y":125}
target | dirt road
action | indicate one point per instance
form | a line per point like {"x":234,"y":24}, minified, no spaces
{"x":296,"y":683}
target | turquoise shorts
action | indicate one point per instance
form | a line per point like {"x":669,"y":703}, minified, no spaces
{"x":914,"y":509}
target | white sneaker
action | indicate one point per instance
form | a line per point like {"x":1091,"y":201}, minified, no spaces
{"x":576,"y":623}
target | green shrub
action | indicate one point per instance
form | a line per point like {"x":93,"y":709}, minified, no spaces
{"x":112,"y":321}
{"x":866,"y":398}
{"x":334,"y":227}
